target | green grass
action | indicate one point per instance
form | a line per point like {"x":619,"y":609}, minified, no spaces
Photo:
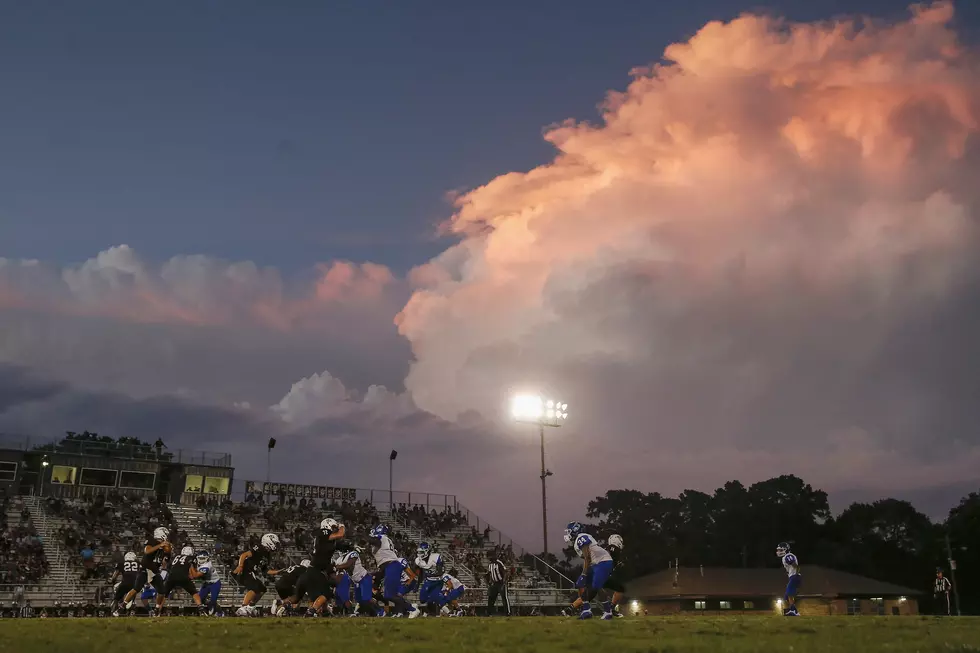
{"x":473,"y":635}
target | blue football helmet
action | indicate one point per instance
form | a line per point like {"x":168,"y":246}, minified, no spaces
{"x":424,"y":548}
{"x":782,"y":549}
{"x":573,"y":529}
{"x":379,"y":530}
{"x":203,"y":557}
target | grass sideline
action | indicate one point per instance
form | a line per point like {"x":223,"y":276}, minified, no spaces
{"x":478,"y":635}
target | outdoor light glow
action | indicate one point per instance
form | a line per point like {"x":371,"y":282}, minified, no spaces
{"x":635,"y":606}
{"x":532,"y":408}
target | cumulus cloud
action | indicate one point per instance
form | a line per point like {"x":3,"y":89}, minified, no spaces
{"x":323,"y":396}
{"x":194,"y":325}
{"x":746,"y":255}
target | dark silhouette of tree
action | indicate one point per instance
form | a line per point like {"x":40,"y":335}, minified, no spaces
{"x":737,"y":526}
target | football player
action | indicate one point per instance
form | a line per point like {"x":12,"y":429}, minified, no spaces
{"x":614,"y":545}
{"x":156,"y":551}
{"x":286,"y":581}
{"x":431,"y":569}
{"x":210,"y":582}
{"x":390,"y":569}
{"x":452,"y":591}
{"x":792,"y":566}
{"x":597,"y":566}
{"x":353,"y":572}
{"x":181,"y":574}
{"x":128,"y":575}
{"x":315,"y":580}
{"x":252,"y":564}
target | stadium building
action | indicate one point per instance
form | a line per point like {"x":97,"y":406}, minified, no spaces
{"x":719,"y":590}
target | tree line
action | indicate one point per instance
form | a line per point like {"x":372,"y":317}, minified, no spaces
{"x":739,"y":526}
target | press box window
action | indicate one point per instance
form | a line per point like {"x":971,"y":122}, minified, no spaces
{"x":63,"y":474}
{"x":137,"y":480}
{"x":725,"y":605}
{"x":216,"y":485}
{"x":699,"y":605}
{"x":99,"y":477}
{"x":193,"y":483}
{"x":8,"y":471}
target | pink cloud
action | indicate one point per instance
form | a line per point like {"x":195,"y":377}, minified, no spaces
{"x":194,"y":290}
{"x":771,"y":206}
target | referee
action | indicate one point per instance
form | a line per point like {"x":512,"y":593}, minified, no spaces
{"x":497,"y":586}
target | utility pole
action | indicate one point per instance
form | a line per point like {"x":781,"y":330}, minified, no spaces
{"x":952,"y":573}
{"x":544,"y":493}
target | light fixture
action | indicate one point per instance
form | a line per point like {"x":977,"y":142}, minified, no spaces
{"x":535,"y":409}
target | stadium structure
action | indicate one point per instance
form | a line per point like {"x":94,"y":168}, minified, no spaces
{"x":54,"y":482}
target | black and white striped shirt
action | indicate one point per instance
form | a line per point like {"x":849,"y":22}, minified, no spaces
{"x":496,"y":571}
{"x":942,"y":585}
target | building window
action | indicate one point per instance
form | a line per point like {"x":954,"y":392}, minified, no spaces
{"x":8,"y":471}
{"x":99,"y":477}
{"x":193,"y":483}
{"x":749,"y":605}
{"x":725,"y":605}
{"x":879,"y":605}
{"x":854,"y":606}
{"x":216,"y":485}
{"x":63,"y":474}
{"x":137,"y":480}
{"x":699,"y":605}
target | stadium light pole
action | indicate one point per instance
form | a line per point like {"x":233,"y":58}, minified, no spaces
{"x":533,"y":409}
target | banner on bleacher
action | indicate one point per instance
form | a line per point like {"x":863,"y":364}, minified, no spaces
{"x":299,"y":490}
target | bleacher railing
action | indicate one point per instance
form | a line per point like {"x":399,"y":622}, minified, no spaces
{"x":116,"y":450}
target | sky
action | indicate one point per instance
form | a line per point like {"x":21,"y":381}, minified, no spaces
{"x":739,"y":239}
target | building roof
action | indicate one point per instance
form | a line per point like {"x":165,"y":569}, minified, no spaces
{"x":695,"y":582}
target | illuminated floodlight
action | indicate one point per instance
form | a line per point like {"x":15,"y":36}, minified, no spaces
{"x":635,"y":606}
{"x":536,"y":409}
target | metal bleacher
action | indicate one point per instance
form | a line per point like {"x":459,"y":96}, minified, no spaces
{"x":63,"y":582}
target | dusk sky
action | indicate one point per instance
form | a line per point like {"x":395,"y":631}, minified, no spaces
{"x":739,"y":239}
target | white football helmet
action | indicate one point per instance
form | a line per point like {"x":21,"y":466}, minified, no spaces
{"x":329,"y":525}
{"x":616,"y":541}
{"x":160,"y":534}
{"x":270,"y":541}
{"x":130,"y":557}
{"x":306,"y":562}
{"x":187,"y":551}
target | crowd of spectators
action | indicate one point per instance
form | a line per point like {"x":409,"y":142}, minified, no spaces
{"x":22,"y":561}
{"x":98,"y":532}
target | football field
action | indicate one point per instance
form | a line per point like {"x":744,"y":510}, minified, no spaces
{"x":544,"y":634}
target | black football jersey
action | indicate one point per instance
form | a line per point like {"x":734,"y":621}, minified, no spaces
{"x":155,"y":559}
{"x":258,"y":561}
{"x":323,"y":550}
{"x":289,"y":576}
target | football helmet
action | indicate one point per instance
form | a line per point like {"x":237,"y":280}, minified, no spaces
{"x":187,"y":551}
{"x":203,"y":558}
{"x":616,"y":541}
{"x":306,"y":562}
{"x":379,"y":530}
{"x":270,"y":542}
{"x":130,"y":557}
{"x":161,"y":534}
{"x":424,"y":549}
{"x":782,"y":549}
{"x":573,"y":529}
{"x":329,"y":525}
